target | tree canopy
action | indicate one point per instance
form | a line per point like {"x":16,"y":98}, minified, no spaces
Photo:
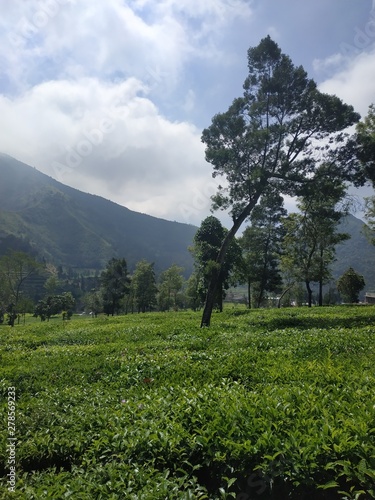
{"x":366,"y":144}
{"x":115,"y":284}
{"x":350,"y":284}
{"x":15,"y":269}
{"x":260,"y":243}
{"x":207,"y":243}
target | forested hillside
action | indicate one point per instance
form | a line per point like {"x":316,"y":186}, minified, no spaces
{"x":357,"y":252}
{"x":79,"y":230}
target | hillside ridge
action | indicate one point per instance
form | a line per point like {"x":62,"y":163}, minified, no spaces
{"x":81,"y":230}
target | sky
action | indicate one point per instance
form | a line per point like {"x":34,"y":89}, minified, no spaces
{"x":111,"y":97}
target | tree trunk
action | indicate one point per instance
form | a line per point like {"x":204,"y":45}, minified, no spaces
{"x":210,"y":301}
{"x":215,"y":280}
{"x":321,"y":278}
{"x":309,"y":293}
{"x":220,"y":297}
{"x":249,"y":292}
{"x":263,"y":281}
{"x":282,"y":295}
{"x":320,"y":293}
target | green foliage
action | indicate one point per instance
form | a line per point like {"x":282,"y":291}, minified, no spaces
{"x":16,"y":268}
{"x":55,"y":304}
{"x":272,"y":404}
{"x":207,"y":243}
{"x":114,"y":285}
{"x":80,"y":230}
{"x":144,"y":288}
{"x":366,"y":144}
{"x":277,"y":135}
{"x":261,"y":249}
{"x":263,"y":134}
{"x":94,"y":302}
{"x":350,"y":284}
{"x":311,"y":235}
{"x":193,"y":291}
{"x":171,"y":282}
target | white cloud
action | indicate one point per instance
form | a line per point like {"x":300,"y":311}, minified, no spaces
{"x":332,"y":62}
{"x":148,"y":40}
{"x":83,"y":84}
{"x":354,"y":84}
{"x":80,"y":82}
{"x":109,"y":139}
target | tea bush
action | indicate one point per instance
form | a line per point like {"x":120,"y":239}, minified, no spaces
{"x":264,"y":404}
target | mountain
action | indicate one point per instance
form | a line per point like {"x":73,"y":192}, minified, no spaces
{"x":82,"y":231}
{"x":357,"y":252}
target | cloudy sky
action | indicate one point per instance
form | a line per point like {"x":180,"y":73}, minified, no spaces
{"x":111,"y":97}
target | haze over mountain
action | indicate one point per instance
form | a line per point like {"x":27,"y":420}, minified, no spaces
{"x":357,"y":252}
{"x":79,"y":230}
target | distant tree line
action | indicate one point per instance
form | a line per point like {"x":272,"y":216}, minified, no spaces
{"x":278,"y":258}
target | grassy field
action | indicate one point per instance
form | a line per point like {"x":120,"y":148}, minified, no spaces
{"x":264,"y":404}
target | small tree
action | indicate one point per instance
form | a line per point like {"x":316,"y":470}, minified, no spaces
{"x":193,"y":295}
{"x":311,"y":236}
{"x":171,"y":282}
{"x":350,"y":284}
{"x":55,"y":304}
{"x":93,"y":301}
{"x":207,"y":242}
{"x":15,"y":269}
{"x":115,"y":285}
{"x":260,"y":245}
{"x":144,"y":286}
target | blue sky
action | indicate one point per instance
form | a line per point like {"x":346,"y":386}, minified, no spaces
{"x":111,"y":97}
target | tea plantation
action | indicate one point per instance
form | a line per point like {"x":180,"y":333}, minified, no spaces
{"x":264,"y":404}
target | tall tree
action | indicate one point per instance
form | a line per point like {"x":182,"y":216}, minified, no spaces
{"x":114,"y":285}
{"x":144,"y":286}
{"x":93,"y":301}
{"x":299,"y":251}
{"x":366,"y":154}
{"x":311,"y":235}
{"x":270,"y":137}
{"x":260,"y":245}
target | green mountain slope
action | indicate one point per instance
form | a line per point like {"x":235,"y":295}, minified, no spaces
{"x":79,"y":230}
{"x":357,"y":252}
